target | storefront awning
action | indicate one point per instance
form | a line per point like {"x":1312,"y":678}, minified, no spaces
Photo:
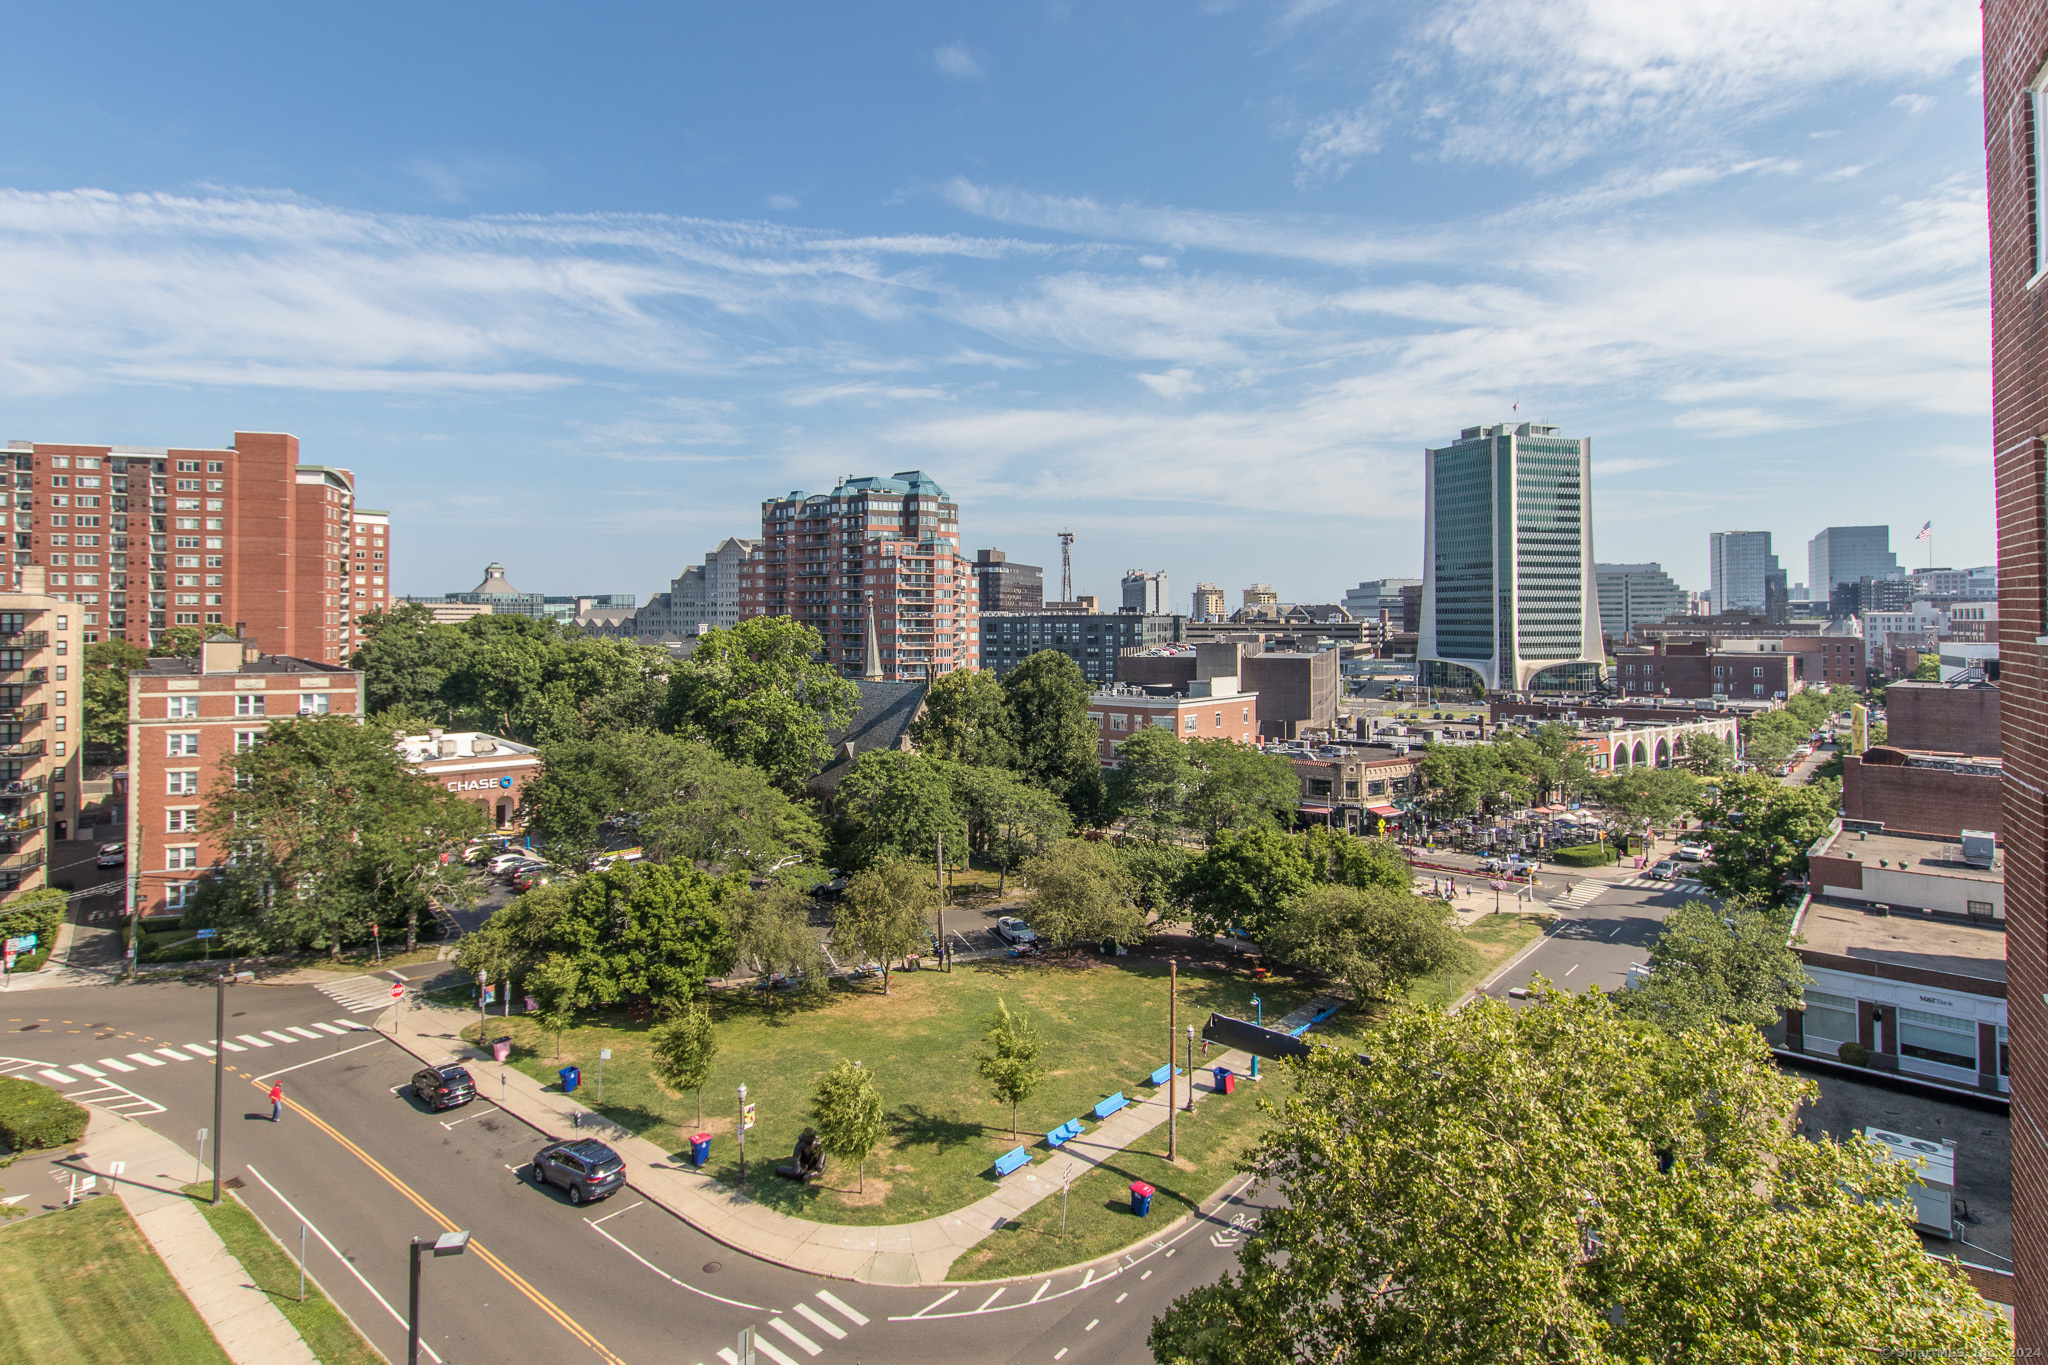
{"x":1315,"y":810}
{"x":1385,"y":812}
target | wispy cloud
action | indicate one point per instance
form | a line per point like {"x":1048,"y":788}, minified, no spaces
{"x":955,"y":61}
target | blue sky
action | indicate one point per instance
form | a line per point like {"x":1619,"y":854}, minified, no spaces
{"x":575,"y":290}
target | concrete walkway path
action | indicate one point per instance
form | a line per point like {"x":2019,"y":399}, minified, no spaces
{"x":902,"y":1253}
{"x":241,"y":1317}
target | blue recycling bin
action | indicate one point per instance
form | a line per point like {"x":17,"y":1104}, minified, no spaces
{"x":572,"y":1076}
{"x":1226,"y":1080}
{"x":700,"y":1149}
{"x":1141,"y":1198}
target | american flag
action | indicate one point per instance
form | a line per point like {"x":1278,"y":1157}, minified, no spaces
{"x":1926,"y":531}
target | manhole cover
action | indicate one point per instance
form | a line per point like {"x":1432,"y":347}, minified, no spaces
{"x":711,"y":1267}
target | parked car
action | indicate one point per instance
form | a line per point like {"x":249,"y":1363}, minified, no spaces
{"x":1691,"y":853}
{"x":505,"y":862}
{"x":528,"y":878}
{"x":524,"y":864}
{"x":1010,"y":929}
{"x":112,"y":855}
{"x":1665,"y":871}
{"x":443,"y":1087}
{"x":585,"y":1168}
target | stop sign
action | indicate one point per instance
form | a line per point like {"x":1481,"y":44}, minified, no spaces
{"x":397,"y":989}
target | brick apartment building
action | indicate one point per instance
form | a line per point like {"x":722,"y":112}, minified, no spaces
{"x":2016,"y":149}
{"x":369,"y":567}
{"x":1830,"y":660}
{"x":1750,"y":670}
{"x":186,"y":718}
{"x":873,"y":560}
{"x":1356,"y":787}
{"x":1212,"y":708}
{"x":1297,"y":690}
{"x":40,"y":746}
{"x":143,"y":539}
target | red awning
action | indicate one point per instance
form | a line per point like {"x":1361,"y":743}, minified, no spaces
{"x":1315,"y":810}
{"x":1385,"y":812}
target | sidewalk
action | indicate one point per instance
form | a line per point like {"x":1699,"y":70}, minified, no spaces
{"x":242,"y":1318}
{"x":904,"y":1253}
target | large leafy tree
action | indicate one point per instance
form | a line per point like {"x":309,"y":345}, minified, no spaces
{"x":327,"y":831}
{"x":1007,"y":818}
{"x":1549,"y":759}
{"x":1347,"y":860}
{"x":1645,"y":797}
{"x":104,"y":691}
{"x":1239,"y":786}
{"x":847,"y":1109}
{"x":1711,"y":966}
{"x":772,"y":937}
{"x":967,"y":720}
{"x":1245,"y":881}
{"x":1056,"y":742}
{"x":1759,"y":833}
{"x":1463,"y":780}
{"x":1149,"y":788}
{"x":761,"y":695}
{"x":1375,"y":941}
{"x":886,"y":912}
{"x":178,"y":642}
{"x":1770,"y":737}
{"x":1081,"y":893}
{"x":1708,"y":755}
{"x":1551,"y":1184}
{"x":405,"y":659}
{"x":895,"y":804}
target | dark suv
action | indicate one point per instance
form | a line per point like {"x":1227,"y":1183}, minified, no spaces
{"x":584,"y":1168}
{"x":443,"y":1087}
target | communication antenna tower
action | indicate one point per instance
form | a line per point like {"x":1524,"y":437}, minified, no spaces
{"x":1066,"y":566}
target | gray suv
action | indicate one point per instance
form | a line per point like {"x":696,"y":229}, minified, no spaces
{"x":585,"y":1169}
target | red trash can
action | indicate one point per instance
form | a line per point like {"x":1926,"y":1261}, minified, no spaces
{"x":700,"y":1149}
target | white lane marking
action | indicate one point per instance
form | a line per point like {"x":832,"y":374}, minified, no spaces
{"x":1144,"y":1277}
{"x":608,"y":1217}
{"x":227,"y":1046}
{"x":253,"y":1041}
{"x":750,"y":1307}
{"x":395,"y":1315}
{"x":352,"y":1026}
{"x":1061,"y":1354}
{"x":821,"y":1322}
{"x":1092,"y":1324}
{"x":1569,"y":970}
{"x":302,"y":1032}
{"x":1041,"y":1291}
{"x":85,"y":1070}
{"x":1617,"y":929}
{"x":728,"y":1355}
{"x":194,"y":1047}
{"x":317,"y":1060}
{"x":803,"y":1343}
{"x":58,"y":1076}
{"x":328,"y":1028}
{"x":116,"y":1065}
{"x":1125,"y":1295}
{"x":172,"y":1053}
{"x":1088,"y":1279}
{"x":990,"y":1299}
{"x":281,"y":1037}
{"x":146,"y":1059}
{"x":827,"y":1297}
{"x":772,"y":1351}
{"x":933,"y":1304}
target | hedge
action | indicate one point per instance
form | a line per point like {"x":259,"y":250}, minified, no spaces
{"x":40,"y":912}
{"x":1583,"y":855}
{"x":34,"y":1116}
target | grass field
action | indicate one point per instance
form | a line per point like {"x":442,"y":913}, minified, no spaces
{"x":1104,"y":1026}
{"x":83,"y":1287}
{"x":273,"y":1270}
{"x":1495,"y":939}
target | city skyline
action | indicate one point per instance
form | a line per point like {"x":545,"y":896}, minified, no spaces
{"x":1046,"y":250}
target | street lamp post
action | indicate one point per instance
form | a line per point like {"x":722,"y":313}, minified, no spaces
{"x":1260,"y":1006}
{"x":743,"y":1133}
{"x":447,"y":1244}
{"x":220,"y":1028}
{"x":1191,"y":1068}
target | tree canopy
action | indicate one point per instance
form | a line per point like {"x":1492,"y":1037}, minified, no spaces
{"x":1552,"y":1184}
{"x":1081,"y":893}
{"x":1760,"y":831}
{"x":1711,"y":966}
{"x":103,"y":688}
{"x":1056,"y":742}
{"x":886,"y":913}
{"x":967,"y":720}
{"x":1645,"y":797}
{"x":1375,"y":941}
{"x":1245,"y":882}
{"x":895,"y":804}
{"x":1460,"y":781}
{"x":761,"y":695}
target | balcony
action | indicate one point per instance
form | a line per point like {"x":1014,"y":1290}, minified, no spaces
{"x":19,"y":824}
{"x":25,"y":863}
{"x":14,"y":671}
{"x":24,"y":639}
{"x":27,"y":748}
{"x":22,"y":713}
{"x":12,"y":842}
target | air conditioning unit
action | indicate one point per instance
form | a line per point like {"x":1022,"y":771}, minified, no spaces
{"x":1934,"y":1197}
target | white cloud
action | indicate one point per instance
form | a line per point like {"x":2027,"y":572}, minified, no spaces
{"x":1914,"y":104}
{"x":782,"y":202}
{"x":1331,"y":143}
{"x":955,"y":61}
{"x":1178,"y":382}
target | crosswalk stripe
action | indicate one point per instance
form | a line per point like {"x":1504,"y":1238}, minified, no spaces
{"x":206,"y":1052}
{"x":252,"y":1040}
{"x":803,"y":1343}
{"x":58,"y":1076}
{"x":281,"y":1037}
{"x":82,"y":1069}
{"x":773,"y":1352}
{"x":302,"y":1032}
{"x":728,"y":1355}
{"x":116,"y":1065}
{"x":328,"y":1028}
{"x":821,"y":1322}
{"x":173,"y":1054}
{"x":146,"y":1059}
{"x":826,"y":1296}
{"x":232,"y":1047}
{"x":353,"y":1026}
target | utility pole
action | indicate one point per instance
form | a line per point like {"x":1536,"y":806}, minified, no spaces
{"x":220,"y":1028}
{"x":1172,"y":1004}
{"x":945,"y":962}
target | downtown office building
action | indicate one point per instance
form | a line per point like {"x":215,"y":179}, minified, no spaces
{"x":1508,"y":596}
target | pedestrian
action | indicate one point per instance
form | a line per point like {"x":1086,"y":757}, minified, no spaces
{"x":276,"y":1099}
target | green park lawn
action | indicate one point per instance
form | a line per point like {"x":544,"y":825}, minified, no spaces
{"x":274,"y":1271}
{"x":83,"y":1287}
{"x":1494,"y":940}
{"x":1104,"y":1026}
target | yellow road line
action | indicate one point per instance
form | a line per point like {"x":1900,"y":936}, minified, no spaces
{"x":512,"y":1277}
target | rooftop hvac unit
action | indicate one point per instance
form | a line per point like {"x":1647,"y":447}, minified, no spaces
{"x":1934,"y":1196}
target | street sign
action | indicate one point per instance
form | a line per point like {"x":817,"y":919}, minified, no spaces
{"x":397,"y":989}
{"x":208,"y":933}
{"x":24,"y":943}
{"x":604,"y":1054}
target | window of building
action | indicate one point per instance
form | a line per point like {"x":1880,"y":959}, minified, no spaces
{"x":313,"y":703}
{"x":1192,"y":722}
{"x":1938,"y":1038}
{"x":2037,"y":157}
{"x":1830,"y":1018}
{"x":181,"y":819}
{"x":178,"y":895}
{"x":181,"y":857}
{"x":249,"y":704}
{"x":1116,"y":721}
{"x":1219,"y":720}
{"x":1163,"y":722}
{"x":180,"y":743}
{"x":245,"y":740}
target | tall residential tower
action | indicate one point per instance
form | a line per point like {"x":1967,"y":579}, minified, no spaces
{"x":1508,"y":600}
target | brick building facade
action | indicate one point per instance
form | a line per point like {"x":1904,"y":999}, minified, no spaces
{"x":1939,"y":795}
{"x":1220,"y":711}
{"x":369,"y":567}
{"x":1696,"y":669}
{"x":1830,"y":660}
{"x":41,"y":744}
{"x":1943,"y":718}
{"x":2016,"y":154}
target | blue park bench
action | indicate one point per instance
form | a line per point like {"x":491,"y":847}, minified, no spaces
{"x":1058,"y":1136}
{"x":1110,"y":1105}
{"x":1011,"y":1160}
{"x":1159,"y":1077}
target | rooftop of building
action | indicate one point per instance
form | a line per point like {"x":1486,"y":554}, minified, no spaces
{"x":1911,"y":853}
{"x":1892,"y":756}
{"x":882,"y":720}
{"x":437,"y":745}
{"x":1143,"y":692}
{"x":249,"y":662}
{"x":1967,"y":948}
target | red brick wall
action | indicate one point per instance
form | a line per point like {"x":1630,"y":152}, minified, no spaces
{"x":1956,"y":720}
{"x":2015,"y":48}
{"x":1829,"y":873}
{"x":1921,"y":800}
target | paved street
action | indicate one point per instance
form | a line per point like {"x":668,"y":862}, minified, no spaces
{"x":366,"y":1168}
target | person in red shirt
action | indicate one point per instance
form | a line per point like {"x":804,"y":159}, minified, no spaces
{"x":276,"y":1099}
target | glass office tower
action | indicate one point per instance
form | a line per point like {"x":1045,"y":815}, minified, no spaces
{"x":1508,"y":599}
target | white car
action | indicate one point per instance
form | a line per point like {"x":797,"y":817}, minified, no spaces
{"x":1691,"y":853}
{"x":1013,"y":930}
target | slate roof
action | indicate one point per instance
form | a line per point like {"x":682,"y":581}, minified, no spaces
{"x":883,"y":720}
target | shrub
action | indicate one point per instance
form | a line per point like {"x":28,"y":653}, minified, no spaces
{"x":1855,"y":1054}
{"x":1583,"y":855}
{"x":33,"y":1116}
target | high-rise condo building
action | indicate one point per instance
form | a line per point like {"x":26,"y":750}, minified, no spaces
{"x":2015,"y":83}
{"x":1743,"y":574}
{"x":42,"y":741}
{"x":146,"y":538}
{"x":1508,"y":598}
{"x":1636,"y":594}
{"x":1847,"y":554}
{"x":1147,"y":592}
{"x":369,"y":567}
{"x":875,"y":560}
{"x":1210,"y":603}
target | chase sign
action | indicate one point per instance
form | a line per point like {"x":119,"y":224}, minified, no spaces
{"x":480,"y":784}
